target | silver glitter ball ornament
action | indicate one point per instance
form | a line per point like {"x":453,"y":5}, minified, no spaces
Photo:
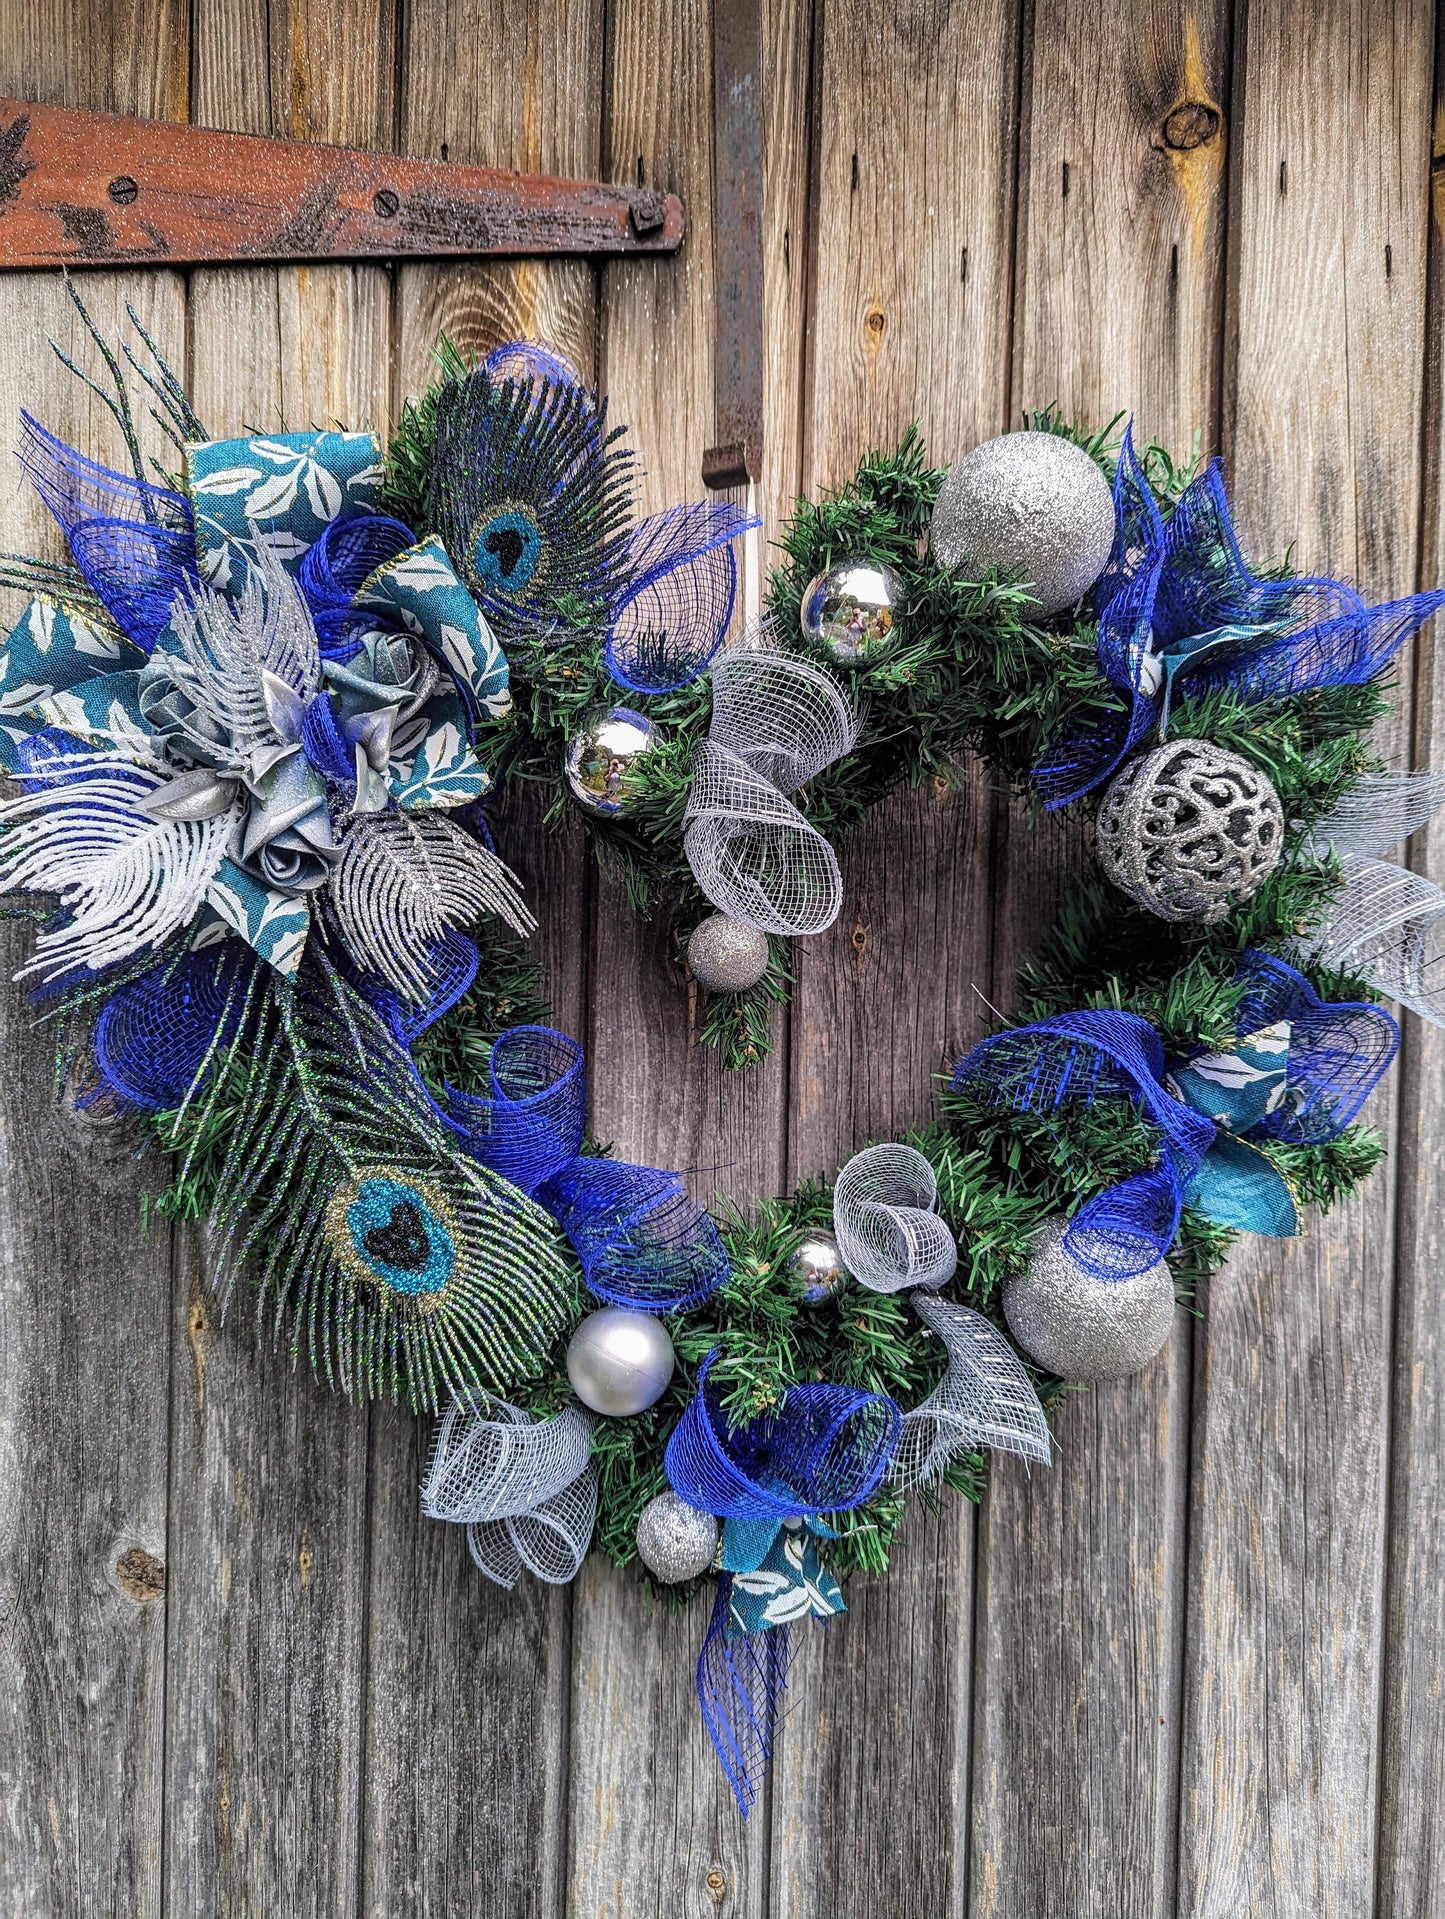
{"x":851,"y":609}
{"x":727,"y":956}
{"x":1080,"y":1327}
{"x":675,"y":1541}
{"x":815,"y":1269}
{"x":1032,"y":504}
{"x":620,"y":1362}
{"x":605,"y":749}
{"x":1189,"y":831}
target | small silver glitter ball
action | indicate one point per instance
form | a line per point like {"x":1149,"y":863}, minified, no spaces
{"x":1189,"y":831}
{"x":815,"y":1269}
{"x":1032,"y":504}
{"x":851,"y":610}
{"x":1084,"y":1328}
{"x":727,"y":956}
{"x":675,"y":1540}
{"x":620,"y":1362}
{"x":600,"y":755}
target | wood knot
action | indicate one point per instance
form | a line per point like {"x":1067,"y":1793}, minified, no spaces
{"x":1190,"y":125}
{"x":716,"y":1882}
{"x":876,"y":320}
{"x":142,"y":1576}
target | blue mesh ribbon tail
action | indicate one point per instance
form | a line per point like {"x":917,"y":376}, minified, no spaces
{"x":682,"y":583}
{"x":641,"y":1240}
{"x":740,"y":1683}
{"x":157,"y":1035}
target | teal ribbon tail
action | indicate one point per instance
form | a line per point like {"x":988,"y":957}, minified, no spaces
{"x":1236,"y":1185}
{"x":789,"y":1583}
{"x":1181,"y":657}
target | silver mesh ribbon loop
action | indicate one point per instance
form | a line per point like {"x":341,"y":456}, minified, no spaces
{"x":526,"y":1490}
{"x":888,"y":1232}
{"x":776,"y":721}
{"x":985,"y":1399}
{"x":1388,"y":925}
{"x":1379,"y":812}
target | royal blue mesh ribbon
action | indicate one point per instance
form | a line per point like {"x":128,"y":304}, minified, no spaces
{"x":673,"y":614}
{"x":157,"y":1035}
{"x":641,"y":1240}
{"x":1181,"y":615}
{"x":825,"y":1449}
{"x":740,"y":1682}
{"x":1206,"y":1110}
{"x":337,"y":567}
{"x":134,"y":542}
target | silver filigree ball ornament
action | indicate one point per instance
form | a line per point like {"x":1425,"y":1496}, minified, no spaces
{"x":851,"y":609}
{"x":727,"y":956}
{"x":1189,"y":831}
{"x":814,"y":1269}
{"x":1083,"y":1328}
{"x":674,"y":1540}
{"x":1028,"y":503}
{"x":606,"y":747}
{"x":620,"y":1362}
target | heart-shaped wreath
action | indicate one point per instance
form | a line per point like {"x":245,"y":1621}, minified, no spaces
{"x":250,"y":726}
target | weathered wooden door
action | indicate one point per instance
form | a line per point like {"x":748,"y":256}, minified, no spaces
{"x":1196,"y":1669}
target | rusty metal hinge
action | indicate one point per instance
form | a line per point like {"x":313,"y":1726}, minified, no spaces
{"x":97,"y":189}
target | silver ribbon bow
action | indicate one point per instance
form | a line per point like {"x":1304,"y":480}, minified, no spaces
{"x":777,"y":720}
{"x":526,"y":1490}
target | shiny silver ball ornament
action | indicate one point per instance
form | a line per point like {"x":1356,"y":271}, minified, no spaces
{"x":1080,"y":1327}
{"x":1031,"y":504}
{"x":727,"y":956}
{"x":620,"y":1362}
{"x":851,"y":609}
{"x":815,"y":1269}
{"x":1189,"y":831}
{"x":600,"y":755}
{"x":674,"y":1540}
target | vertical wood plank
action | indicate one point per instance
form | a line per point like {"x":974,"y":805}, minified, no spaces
{"x":654,"y":1830}
{"x":266,"y":1657}
{"x":1279,"y":1763}
{"x":908,"y":320}
{"x":1412,"y":1743}
{"x":467,"y":1684}
{"x":84,"y":1293}
{"x":1119,"y":277}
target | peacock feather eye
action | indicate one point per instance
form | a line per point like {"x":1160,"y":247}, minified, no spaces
{"x":531,"y":496}
{"x":508,"y":552}
{"x":391,"y":1230}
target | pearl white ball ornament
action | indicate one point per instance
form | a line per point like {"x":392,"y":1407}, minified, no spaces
{"x":1189,"y":831}
{"x":604,"y":750}
{"x":851,"y":610}
{"x":1028,"y":503}
{"x":727,"y":956}
{"x":620,"y":1362}
{"x":674,"y":1540}
{"x":1083,"y":1328}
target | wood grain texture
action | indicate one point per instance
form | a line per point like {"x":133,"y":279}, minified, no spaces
{"x":909,"y":320}
{"x":1412,"y":1739}
{"x":653,"y":1827}
{"x":84,"y":1292}
{"x":1081,"y":1569}
{"x":467,"y":1685}
{"x":269,"y":1472}
{"x":1279,"y":1770}
{"x":84,"y":1344}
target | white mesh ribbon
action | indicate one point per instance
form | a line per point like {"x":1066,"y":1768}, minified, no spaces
{"x":888,"y":1232}
{"x":776,"y":721}
{"x":526,"y":1490}
{"x":985,"y":1399}
{"x":1380,"y":811}
{"x":1388,"y":925}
